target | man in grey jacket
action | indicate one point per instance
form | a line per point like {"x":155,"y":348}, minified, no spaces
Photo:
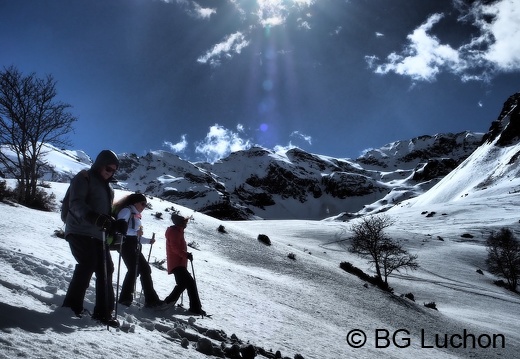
{"x":87,"y":222}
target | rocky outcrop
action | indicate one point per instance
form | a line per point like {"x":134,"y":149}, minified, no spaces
{"x":507,"y":125}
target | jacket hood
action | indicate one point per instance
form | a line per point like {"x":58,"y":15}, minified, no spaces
{"x":105,"y":158}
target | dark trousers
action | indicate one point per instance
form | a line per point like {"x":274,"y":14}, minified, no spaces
{"x":88,"y":252}
{"x":184,"y":280}
{"x":136,"y":265}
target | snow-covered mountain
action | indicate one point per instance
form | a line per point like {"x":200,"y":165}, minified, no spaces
{"x":259,"y":183}
{"x":296,"y":184}
{"x":497,"y":161}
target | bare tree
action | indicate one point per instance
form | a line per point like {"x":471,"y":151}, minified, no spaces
{"x":29,"y":118}
{"x":504,"y":256}
{"x":386,"y":254}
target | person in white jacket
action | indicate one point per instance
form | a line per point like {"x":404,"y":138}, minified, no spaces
{"x":129,"y":208}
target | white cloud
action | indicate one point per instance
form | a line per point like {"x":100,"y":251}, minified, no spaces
{"x":203,"y":13}
{"x":193,"y":8}
{"x":271,"y":12}
{"x":424,"y":57}
{"x":500,"y":37}
{"x":220,"y":142}
{"x":274,"y":12}
{"x":178,"y":147}
{"x":304,"y":25}
{"x":232,"y":44}
{"x":266,"y":13}
{"x":283,"y":149}
{"x":296,"y":134}
{"x":496,"y":49}
{"x":303,"y":3}
{"x":300,"y":135}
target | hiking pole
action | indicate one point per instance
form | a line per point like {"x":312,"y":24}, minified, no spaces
{"x":105,"y":273}
{"x":121,"y":240}
{"x":194,"y":279}
{"x":197,"y":289}
{"x":137,"y":257}
{"x":147,"y":261}
{"x":193,"y":272}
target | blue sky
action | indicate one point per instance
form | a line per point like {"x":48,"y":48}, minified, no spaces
{"x":203,"y":78}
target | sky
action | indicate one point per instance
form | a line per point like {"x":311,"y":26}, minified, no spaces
{"x":205,"y":78}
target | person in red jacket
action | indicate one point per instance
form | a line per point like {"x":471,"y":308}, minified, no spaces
{"x":177,"y":257}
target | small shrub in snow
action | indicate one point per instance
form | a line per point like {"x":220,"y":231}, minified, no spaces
{"x":504,"y":256}
{"x":374,"y":280}
{"x":42,"y":201}
{"x":5,"y":192}
{"x":500,"y":283}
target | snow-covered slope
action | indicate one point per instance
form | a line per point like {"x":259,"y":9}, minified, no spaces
{"x":259,"y":296}
{"x":491,"y":170}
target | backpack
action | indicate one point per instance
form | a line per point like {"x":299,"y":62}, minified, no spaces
{"x":65,"y":202}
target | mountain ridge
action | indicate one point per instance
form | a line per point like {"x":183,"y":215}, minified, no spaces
{"x":262,"y":184}
{"x":259,"y":183}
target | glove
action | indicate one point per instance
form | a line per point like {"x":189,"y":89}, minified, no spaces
{"x":100,"y":220}
{"x":189,"y":256}
{"x":120,"y":226}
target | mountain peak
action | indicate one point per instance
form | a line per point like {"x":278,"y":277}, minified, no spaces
{"x":507,"y":126}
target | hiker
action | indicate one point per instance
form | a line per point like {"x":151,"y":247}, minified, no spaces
{"x":177,"y":257}
{"x":129,"y":209}
{"x":87,"y":221}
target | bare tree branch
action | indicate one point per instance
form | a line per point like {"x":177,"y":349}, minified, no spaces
{"x":386,"y":254}
{"x":29,"y":118}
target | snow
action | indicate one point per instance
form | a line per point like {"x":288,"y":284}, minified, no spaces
{"x":257,"y":295}
{"x":305,"y":306}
